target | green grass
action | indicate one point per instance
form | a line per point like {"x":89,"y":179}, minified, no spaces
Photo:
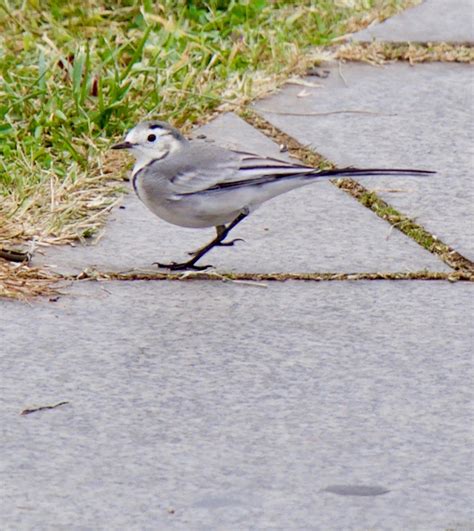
{"x":75,"y":75}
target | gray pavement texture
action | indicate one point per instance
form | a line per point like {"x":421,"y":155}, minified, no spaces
{"x":423,"y":117}
{"x":203,"y":405}
{"x":318,"y":228}
{"x":431,"y":21}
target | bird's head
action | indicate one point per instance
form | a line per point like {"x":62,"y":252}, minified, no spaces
{"x":152,"y":140}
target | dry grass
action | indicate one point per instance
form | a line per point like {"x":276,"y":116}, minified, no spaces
{"x":453,"y":276}
{"x":68,"y":209}
{"x":18,"y":281}
{"x":379,"y":53}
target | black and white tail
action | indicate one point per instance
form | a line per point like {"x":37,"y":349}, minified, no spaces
{"x":368,"y":172}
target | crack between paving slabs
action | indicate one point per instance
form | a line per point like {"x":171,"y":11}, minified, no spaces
{"x":364,"y":196}
{"x":380,"y":52}
{"x":50,"y":286}
{"x":93,"y":274}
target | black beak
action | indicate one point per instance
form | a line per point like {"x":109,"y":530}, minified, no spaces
{"x":123,"y":145}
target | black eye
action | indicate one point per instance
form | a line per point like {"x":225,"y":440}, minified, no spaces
{"x":151,"y":138}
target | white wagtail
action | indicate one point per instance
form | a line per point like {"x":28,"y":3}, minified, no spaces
{"x":198,"y":184}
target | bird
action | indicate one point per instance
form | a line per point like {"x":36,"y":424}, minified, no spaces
{"x":191,"y":183}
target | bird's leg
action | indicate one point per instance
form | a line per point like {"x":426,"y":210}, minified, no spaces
{"x":219,"y":230}
{"x":221,"y":235}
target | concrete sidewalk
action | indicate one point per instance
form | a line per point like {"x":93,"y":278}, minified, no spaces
{"x":293,"y":405}
{"x":203,"y":405}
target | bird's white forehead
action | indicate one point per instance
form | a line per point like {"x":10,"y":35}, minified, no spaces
{"x":144,"y":129}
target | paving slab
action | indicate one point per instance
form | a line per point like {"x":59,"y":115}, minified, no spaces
{"x":403,"y":116}
{"x":206,"y":405}
{"x":318,"y":228}
{"x":431,"y":21}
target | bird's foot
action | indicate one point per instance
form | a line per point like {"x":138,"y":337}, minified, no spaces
{"x":231,"y":243}
{"x":182,"y":267}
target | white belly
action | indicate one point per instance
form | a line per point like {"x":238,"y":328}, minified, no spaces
{"x":189,"y":211}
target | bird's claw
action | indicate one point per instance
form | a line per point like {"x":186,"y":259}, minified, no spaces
{"x":231,"y":243}
{"x":181,"y":267}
